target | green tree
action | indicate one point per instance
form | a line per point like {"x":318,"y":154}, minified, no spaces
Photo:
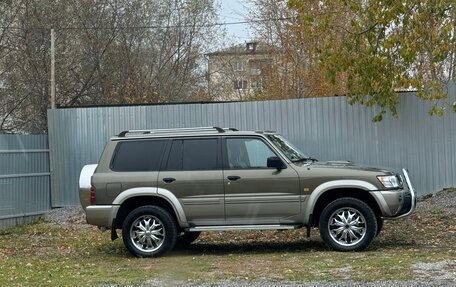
{"x":382,"y":46}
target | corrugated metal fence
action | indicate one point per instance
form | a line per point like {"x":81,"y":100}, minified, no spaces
{"x":24,"y":178}
{"x":325,"y":128}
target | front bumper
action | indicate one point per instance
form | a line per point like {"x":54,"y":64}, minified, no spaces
{"x":395,"y":204}
{"x":409,"y":205}
{"x":101,"y":215}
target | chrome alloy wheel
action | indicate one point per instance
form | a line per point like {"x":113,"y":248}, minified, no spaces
{"x":147,"y":233}
{"x":347,"y":226}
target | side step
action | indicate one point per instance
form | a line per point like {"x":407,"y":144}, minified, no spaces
{"x":243,"y":227}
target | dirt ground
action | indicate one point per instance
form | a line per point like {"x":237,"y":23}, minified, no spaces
{"x":416,"y":251}
{"x":62,"y":250}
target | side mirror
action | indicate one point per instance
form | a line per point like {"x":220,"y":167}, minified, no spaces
{"x":276,"y":162}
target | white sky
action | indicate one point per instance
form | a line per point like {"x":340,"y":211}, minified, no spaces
{"x":234,"y":11}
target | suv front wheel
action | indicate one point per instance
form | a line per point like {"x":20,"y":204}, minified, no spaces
{"x":348,"y":224}
{"x":149,"y":231}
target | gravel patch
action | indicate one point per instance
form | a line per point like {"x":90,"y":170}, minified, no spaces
{"x":444,"y":200}
{"x":414,"y":283}
{"x":331,"y":284}
{"x":67,"y":217}
{"x":442,"y":270}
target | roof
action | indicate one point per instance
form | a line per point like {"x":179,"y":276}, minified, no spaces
{"x":174,"y":132}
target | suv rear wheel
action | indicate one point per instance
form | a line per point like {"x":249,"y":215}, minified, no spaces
{"x":149,"y":231}
{"x":348,"y":224}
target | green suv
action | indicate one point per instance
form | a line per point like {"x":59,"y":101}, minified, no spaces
{"x":168,"y":185}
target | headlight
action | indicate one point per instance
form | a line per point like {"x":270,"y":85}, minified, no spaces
{"x":389,"y":181}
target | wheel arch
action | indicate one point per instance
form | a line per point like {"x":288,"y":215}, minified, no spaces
{"x":136,"y":197}
{"x":330,"y":191}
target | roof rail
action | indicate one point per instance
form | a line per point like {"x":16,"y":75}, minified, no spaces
{"x":266,"y":131}
{"x":173,"y":130}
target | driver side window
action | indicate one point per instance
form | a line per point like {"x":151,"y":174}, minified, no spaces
{"x":243,"y":153}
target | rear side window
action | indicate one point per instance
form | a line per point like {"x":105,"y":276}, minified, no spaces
{"x":193,"y":154}
{"x":138,"y":155}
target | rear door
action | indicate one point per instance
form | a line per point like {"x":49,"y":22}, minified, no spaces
{"x":193,"y":173}
{"x":135,"y":163}
{"x":254,"y":193}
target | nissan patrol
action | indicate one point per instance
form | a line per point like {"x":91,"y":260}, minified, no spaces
{"x":168,"y":185}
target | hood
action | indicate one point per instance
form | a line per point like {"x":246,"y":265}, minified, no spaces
{"x":315,"y":173}
{"x":347,"y":165}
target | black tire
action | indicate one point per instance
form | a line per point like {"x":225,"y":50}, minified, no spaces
{"x":187,"y":238}
{"x":379,"y":225}
{"x":161,"y":228}
{"x":348,"y":235}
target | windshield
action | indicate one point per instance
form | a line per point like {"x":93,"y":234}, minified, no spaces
{"x":290,"y":151}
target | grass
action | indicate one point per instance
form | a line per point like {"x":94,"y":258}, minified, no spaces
{"x":45,"y":255}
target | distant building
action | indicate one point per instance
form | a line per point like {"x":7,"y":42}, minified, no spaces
{"x":238,"y":71}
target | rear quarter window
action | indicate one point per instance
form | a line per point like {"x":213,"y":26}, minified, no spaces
{"x":142,"y":155}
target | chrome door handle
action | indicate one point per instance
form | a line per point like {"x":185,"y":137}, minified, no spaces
{"x":169,"y":179}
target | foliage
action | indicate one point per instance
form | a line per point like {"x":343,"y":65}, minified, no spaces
{"x":295,"y":72}
{"x":381,"y":46}
{"x":107,"y":52}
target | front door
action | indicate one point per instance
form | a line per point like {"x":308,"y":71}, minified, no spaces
{"x":254,"y":193}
